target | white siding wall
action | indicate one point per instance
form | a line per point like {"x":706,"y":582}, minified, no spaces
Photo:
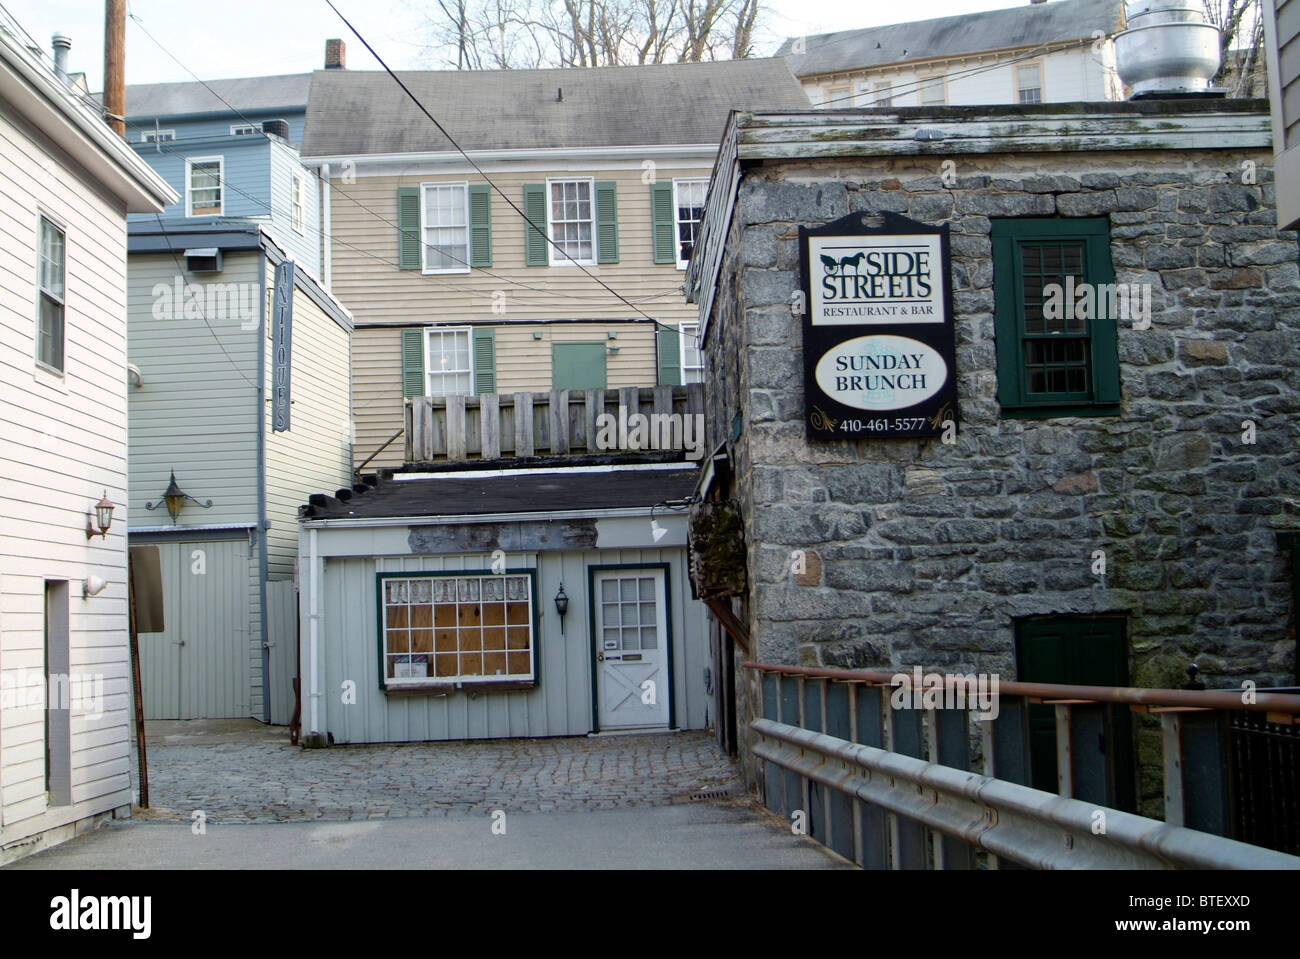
{"x":62,"y":445}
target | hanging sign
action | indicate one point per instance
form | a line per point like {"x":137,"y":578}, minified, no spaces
{"x":878,"y":340}
{"x":281,"y":345}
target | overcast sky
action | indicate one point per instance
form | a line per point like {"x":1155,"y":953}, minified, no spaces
{"x":248,"y":38}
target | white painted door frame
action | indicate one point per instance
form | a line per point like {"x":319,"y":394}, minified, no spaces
{"x":631,"y":613}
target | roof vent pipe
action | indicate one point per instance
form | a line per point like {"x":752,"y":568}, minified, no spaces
{"x":62,"y":44}
{"x":1168,"y":50}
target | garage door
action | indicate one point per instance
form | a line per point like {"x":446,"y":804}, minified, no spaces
{"x":198,"y":667}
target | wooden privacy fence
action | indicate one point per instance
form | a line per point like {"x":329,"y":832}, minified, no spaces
{"x":560,"y":423}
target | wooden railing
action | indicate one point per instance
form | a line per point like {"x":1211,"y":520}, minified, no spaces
{"x":560,"y":423}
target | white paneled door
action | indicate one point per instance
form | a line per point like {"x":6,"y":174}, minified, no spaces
{"x":632,"y":681}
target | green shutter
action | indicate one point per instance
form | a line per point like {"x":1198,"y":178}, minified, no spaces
{"x":578,"y":366}
{"x":408,"y":228}
{"x":413,"y":362}
{"x":668,"y":344}
{"x":664,"y":220}
{"x":480,"y":225}
{"x":1006,"y":297}
{"x":606,"y":223}
{"x":535,"y":252}
{"x":1105,"y":332}
{"x":485,"y":361}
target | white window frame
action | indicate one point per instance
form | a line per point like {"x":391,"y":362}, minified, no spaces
{"x":677,"y":222}
{"x":157,"y":136}
{"x":841,"y":93}
{"x":887,"y":99}
{"x":430,"y":372}
{"x":688,"y":335}
{"x":467,"y":679}
{"x":1020,"y":87}
{"x":926,"y":80}
{"x":245,"y":129}
{"x":463,"y":186}
{"x":297,"y":208}
{"x":61,"y":299}
{"x":189,"y":183}
{"x":556,"y":257}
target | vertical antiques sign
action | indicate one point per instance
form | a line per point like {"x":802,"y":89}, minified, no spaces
{"x":281,"y":345}
{"x":878,"y":339}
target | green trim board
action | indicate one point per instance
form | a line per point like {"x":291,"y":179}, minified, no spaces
{"x":592,"y":570}
{"x":380,"y":576}
{"x":1088,"y":374}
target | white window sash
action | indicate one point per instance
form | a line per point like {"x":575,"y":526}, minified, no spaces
{"x":453,"y":372}
{"x":190,"y":164}
{"x":440,"y":230}
{"x":678,"y":222}
{"x":563,"y":257}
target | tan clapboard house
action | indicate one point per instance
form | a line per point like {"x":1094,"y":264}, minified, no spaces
{"x":452,"y":291}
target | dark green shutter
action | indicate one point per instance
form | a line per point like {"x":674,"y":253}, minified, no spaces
{"x":485,"y":361}
{"x":408,"y":228}
{"x":606,"y":223}
{"x":664,"y":220}
{"x":535,"y":209}
{"x":480,"y":225}
{"x":668,"y":344}
{"x":1105,"y":332}
{"x":412,"y":362}
{"x":1006,"y":299}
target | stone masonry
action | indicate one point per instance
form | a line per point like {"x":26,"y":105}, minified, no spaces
{"x":927,"y":553}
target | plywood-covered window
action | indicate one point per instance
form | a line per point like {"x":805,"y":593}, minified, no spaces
{"x":458,"y":629}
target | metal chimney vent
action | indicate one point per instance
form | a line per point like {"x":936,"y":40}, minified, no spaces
{"x":1169,"y":50}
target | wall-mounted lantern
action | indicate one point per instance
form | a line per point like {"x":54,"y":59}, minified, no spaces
{"x":93,"y":586}
{"x":561,"y":606}
{"x":103,"y":518}
{"x":174,"y":497}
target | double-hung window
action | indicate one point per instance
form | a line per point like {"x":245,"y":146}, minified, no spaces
{"x":465,"y":628}
{"x":934,"y":91}
{"x":688,"y":202}
{"x":52,"y":268}
{"x":446,"y":227}
{"x":884,"y":95}
{"x":157,"y":136}
{"x":692,"y":359}
{"x":204,"y":186}
{"x":1029,"y":83}
{"x":245,"y":129}
{"x":572,"y":213}
{"x":296,"y":202}
{"x":1056,"y":310}
{"x":448,"y":364}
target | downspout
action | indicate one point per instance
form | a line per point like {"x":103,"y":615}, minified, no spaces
{"x":262,"y":524}
{"x":326,"y":261}
{"x":313,"y":590}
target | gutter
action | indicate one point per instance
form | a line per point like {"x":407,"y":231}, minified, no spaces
{"x":313,"y":592}
{"x":262,"y":519}
{"x":382,"y":522}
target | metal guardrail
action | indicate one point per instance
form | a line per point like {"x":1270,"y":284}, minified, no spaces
{"x":892,"y":788}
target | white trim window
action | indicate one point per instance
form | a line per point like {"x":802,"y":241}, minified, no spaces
{"x":51,"y":272}
{"x":157,"y":136}
{"x":571,"y":221}
{"x":458,"y":629}
{"x":444,"y":218}
{"x":448,"y":363}
{"x":245,"y":129}
{"x":296,"y":209}
{"x":840,"y":95}
{"x":933,"y":91}
{"x":204,"y":186}
{"x":1029,"y":82}
{"x":688,"y":207}
{"x":884,"y":95}
{"x":692,"y":358}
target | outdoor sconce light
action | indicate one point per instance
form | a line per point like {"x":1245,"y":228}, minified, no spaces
{"x":175,"y":498}
{"x":93,"y":586}
{"x":561,"y":606}
{"x":103,"y":517}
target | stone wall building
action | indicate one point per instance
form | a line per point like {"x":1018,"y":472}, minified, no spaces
{"x":963,"y":555}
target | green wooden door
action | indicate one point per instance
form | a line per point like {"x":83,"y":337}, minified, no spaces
{"x":577,"y":366}
{"x":1081,"y":651}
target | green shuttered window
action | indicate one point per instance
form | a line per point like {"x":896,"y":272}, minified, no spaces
{"x":485,"y":362}
{"x":408,"y":228}
{"x":664,"y":222}
{"x":535,"y":246}
{"x":1057,"y":310}
{"x":668,"y":348}
{"x":412,"y":363}
{"x":480,"y":225}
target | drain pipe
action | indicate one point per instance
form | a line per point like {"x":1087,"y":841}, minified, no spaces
{"x":314,"y":739}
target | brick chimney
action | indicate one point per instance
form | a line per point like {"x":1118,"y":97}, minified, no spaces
{"x":336,"y":55}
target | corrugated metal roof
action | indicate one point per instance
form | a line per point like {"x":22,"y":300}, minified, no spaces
{"x":1027,"y":25}
{"x":246,"y":94}
{"x":353,"y":113}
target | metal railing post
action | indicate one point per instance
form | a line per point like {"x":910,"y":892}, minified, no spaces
{"x":839,"y":807}
{"x":907,"y":838}
{"x":870,"y":824}
{"x":949,"y":745}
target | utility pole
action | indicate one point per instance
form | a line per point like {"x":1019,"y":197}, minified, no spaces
{"x":115,"y":65}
